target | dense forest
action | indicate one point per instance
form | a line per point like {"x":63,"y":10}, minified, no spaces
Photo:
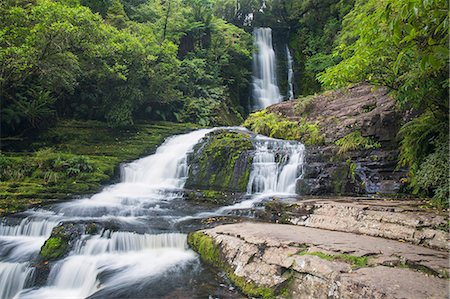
{"x":121,"y":61}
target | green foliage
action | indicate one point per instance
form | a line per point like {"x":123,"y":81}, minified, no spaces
{"x":355,"y":141}
{"x":433,"y":174}
{"x":62,"y":59}
{"x":424,"y":148}
{"x":277,"y":126}
{"x":399,"y":44}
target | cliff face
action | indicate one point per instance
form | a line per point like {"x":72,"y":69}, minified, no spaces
{"x":361,"y":109}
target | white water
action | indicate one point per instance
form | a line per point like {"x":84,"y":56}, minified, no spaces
{"x":277,"y":166}
{"x":13,"y":277}
{"x":18,"y":245}
{"x":290,"y":62}
{"x":121,"y":258}
{"x":265,"y":86}
{"x":167,"y":168}
{"x":125,"y":259}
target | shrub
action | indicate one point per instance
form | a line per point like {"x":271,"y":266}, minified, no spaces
{"x":355,"y":141}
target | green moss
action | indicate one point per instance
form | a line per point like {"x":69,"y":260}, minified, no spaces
{"x":355,"y":141}
{"x":210,"y":253}
{"x":220,"y":162}
{"x":54,"y":248}
{"x":74,"y":157}
{"x":355,"y":261}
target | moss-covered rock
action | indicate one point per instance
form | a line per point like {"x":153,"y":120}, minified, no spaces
{"x":221,"y":162}
{"x":54,"y":248}
{"x":210,"y":253}
{"x":62,"y":239}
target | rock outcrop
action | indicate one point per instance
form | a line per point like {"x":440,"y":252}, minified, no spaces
{"x":289,"y":261}
{"x":220,"y":162}
{"x":364,"y":109}
{"x":391,"y":219}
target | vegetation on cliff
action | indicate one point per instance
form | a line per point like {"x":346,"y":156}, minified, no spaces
{"x":404,"y":45}
{"x":277,"y":126}
{"x":82,"y":156}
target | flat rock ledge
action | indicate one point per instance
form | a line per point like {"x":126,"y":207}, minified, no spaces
{"x":392,"y":219}
{"x":289,"y":261}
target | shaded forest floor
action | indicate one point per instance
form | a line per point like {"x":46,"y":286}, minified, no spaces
{"x":74,"y":158}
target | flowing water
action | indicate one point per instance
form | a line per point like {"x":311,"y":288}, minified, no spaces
{"x":290,"y":62}
{"x":265,"y":86}
{"x":141,"y":250}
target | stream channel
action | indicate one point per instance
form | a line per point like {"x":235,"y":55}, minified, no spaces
{"x":140,"y":249}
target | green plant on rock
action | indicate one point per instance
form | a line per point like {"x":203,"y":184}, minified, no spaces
{"x":355,"y":141}
{"x":277,"y":126}
{"x":355,"y":261}
{"x":304,"y":105}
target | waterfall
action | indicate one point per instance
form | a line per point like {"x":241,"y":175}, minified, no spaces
{"x":138,"y":247}
{"x":276,"y":167}
{"x":113,"y":259}
{"x":13,"y":277}
{"x":290,"y":62}
{"x":167,"y":168}
{"x":265,"y":88}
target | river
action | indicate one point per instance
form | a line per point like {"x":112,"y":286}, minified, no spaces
{"x":140,"y":249}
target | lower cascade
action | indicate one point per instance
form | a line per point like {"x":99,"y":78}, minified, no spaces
{"x":129,"y":240}
{"x":277,"y":166}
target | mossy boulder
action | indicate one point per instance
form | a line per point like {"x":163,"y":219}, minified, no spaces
{"x":63,"y":238}
{"x":221,"y":162}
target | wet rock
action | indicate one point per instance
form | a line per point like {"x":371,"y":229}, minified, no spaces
{"x":63,"y":238}
{"x":303,"y":262}
{"x":357,"y":172}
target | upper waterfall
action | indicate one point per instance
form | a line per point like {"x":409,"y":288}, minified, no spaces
{"x":265,"y":86}
{"x":290,"y":62}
